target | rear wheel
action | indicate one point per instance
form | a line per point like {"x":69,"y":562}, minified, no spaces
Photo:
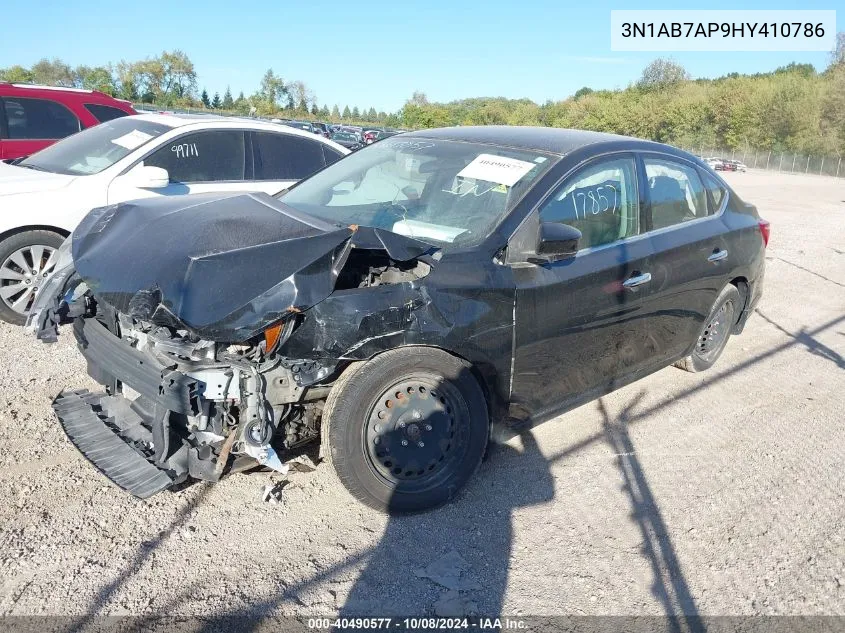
{"x":715,"y":333}
{"x":26,"y":260}
{"x":407,"y":429}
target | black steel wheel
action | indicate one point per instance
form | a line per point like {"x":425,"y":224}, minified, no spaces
{"x":407,"y":429}
{"x":714,"y":335}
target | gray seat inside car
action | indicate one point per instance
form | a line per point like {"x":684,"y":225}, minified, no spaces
{"x":668,"y":202}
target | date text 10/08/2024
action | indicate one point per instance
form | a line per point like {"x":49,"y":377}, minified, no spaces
{"x":424,"y":623}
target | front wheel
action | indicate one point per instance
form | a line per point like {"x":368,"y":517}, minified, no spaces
{"x":714,"y":335}
{"x":26,"y":260}
{"x":407,"y":429}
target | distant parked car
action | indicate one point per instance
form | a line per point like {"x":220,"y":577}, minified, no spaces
{"x":350,"y":140}
{"x":44,"y":196}
{"x":322,"y":128}
{"x":720,"y":164}
{"x":371,"y":136}
{"x":33,"y":117}
{"x":738,"y":165}
{"x":301,"y":125}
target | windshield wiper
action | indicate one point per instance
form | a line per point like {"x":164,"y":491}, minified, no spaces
{"x":32,"y":167}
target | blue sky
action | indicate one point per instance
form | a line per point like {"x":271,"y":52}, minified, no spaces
{"x":373,"y":53}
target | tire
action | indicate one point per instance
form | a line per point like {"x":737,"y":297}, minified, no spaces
{"x":407,"y":429}
{"x":25,"y":245}
{"x":715,"y":333}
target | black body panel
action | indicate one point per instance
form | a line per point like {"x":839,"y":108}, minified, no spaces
{"x":543,"y":337}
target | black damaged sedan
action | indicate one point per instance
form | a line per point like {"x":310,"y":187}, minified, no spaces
{"x":397,"y":306}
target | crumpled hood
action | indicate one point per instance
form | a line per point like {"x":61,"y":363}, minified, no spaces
{"x":223,"y":265}
{"x":16,"y":180}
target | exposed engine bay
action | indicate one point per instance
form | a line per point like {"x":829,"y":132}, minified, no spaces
{"x":189,"y":402}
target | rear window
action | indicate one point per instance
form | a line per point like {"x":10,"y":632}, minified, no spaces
{"x":285,"y":156}
{"x":716,"y":190}
{"x":38,"y":119}
{"x":104,"y":113}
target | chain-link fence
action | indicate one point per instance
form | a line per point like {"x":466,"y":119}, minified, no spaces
{"x":777,"y":161}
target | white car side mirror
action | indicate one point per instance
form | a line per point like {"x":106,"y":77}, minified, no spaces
{"x":147,"y":177}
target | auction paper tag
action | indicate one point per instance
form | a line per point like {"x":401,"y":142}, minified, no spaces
{"x":134,"y":139}
{"x":499,"y":169}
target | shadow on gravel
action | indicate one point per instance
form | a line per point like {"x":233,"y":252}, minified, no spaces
{"x":450,"y":561}
{"x":814,"y":346}
{"x":464,"y":569}
{"x":807,"y":270}
{"x":713,"y":377}
{"x":456,"y":559}
{"x":145,"y":551}
{"x":670,"y":586}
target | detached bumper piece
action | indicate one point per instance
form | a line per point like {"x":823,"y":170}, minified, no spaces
{"x":110,"y":435}
{"x":110,"y":358}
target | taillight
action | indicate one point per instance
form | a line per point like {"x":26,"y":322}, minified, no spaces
{"x":765,"y":229}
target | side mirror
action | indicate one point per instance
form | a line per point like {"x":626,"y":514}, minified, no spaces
{"x":555,"y":242}
{"x":147,"y":177}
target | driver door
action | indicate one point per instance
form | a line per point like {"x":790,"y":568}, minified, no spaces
{"x":582,"y":323}
{"x":211,"y":160}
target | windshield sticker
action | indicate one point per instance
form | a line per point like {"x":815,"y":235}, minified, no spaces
{"x":134,"y":139}
{"x":499,"y":169}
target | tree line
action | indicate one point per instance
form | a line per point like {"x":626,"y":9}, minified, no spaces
{"x":170,"y":80}
{"x":793,"y":108}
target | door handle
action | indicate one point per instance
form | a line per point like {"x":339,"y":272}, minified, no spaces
{"x":717,"y":256}
{"x":638,"y":280}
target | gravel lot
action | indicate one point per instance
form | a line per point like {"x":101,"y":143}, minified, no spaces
{"x":715,"y":493}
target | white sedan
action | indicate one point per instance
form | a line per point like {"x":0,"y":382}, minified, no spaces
{"x":43,"y":197}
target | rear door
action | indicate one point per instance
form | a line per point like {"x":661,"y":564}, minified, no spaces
{"x":692,"y":256}
{"x":31,"y":124}
{"x":582,"y":324}
{"x":280,"y":160}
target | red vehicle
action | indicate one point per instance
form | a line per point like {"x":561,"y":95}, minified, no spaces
{"x":33,"y":117}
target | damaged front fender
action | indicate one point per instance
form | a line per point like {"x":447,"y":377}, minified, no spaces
{"x":448,"y":309}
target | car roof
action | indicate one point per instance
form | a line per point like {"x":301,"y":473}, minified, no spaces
{"x":77,"y":94}
{"x":545,"y":139}
{"x":201,"y":121}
